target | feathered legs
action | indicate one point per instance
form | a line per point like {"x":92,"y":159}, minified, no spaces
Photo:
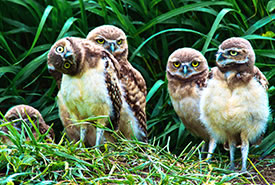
{"x":83,"y":131}
{"x":245,"y":149}
{"x":99,"y":136}
{"x":212,"y":147}
{"x":232,"y":148}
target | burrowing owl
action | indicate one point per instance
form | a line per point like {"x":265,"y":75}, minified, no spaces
{"x":114,"y":40}
{"x":23,"y":113}
{"x":89,"y":87}
{"x":234,"y":106}
{"x":187,"y":72}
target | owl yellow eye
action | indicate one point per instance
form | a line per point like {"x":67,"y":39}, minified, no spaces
{"x":176,"y":64}
{"x":233,"y":53}
{"x":67,"y":65}
{"x":119,"y":42}
{"x":60,"y":49}
{"x":100,"y":41}
{"x":195,"y":64}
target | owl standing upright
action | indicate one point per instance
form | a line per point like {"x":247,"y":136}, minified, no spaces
{"x":187,"y":73}
{"x":133,"y":115}
{"x":23,"y":113}
{"x":234,"y":106}
{"x":89,"y":87}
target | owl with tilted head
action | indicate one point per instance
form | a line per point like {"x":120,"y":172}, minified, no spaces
{"x":234,"y":105}
{"x":27,"y":114}
{"x":90,"y":87}
{"x":187,"y":73}
{"x":114,"y":40}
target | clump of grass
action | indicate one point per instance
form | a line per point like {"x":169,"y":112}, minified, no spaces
{"x":125,"y":162}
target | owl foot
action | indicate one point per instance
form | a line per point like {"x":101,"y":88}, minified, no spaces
{"x":211,"y":149}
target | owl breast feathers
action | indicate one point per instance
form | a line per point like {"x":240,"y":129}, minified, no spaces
{"x":187,"y":73}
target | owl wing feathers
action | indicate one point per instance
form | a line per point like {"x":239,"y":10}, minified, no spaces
{"x":135,"y":93}
{"x":111,"y":78}
{"x":260,"y":77}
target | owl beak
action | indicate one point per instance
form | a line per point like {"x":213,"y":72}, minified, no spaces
{"x":68,"y":55}
{"x":220,"y":57}
{"x":112,"y":47}
{"x":185,"y":69}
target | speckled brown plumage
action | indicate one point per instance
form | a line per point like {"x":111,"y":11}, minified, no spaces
{"x":185,"y":83}
{"x":234,"y":105}
{"x":134,"y":85}
{"x":21,"y":113}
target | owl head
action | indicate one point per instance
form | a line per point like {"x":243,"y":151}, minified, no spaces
{"x":186,"y":64}
{"x":65,"y":55}
{"x":21,"y":112}
{"x":235,"y":52}
{"x":73,"y":56}
{"x":111,"y":38}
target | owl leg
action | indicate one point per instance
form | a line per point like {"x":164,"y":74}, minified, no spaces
{"x":83,"y":130}
{"x":203,"y":149}
{"x":245,"y":149}
{"x":211,"y":148}
{"x":232,"y":148}
{"x":99,"y":136}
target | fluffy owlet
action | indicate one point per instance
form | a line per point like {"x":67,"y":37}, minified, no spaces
{"x":89,"y":87}
{"x":114,"y":40}
{"x":20,"y":113}
{"x":234,"y":106}
{"x":187,"y":72}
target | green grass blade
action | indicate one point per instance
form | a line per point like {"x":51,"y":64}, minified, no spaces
{"x":162,"y":32}
{"x":39,"y":30}
{"x":259,"y":24}
{"x":214,"y":28}
{"x":154,"y":89}
{"x":178,"y":11}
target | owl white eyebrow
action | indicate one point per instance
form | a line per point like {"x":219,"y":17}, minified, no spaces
{"x":100,"y":37}
{"x":175,"y":60}
{"x":237,"y":49}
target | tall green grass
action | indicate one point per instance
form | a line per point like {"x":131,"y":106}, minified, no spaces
{"x":155,"y":29}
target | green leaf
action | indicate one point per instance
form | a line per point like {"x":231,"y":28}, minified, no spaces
{"x":178,"y":11}
{"x":265,"y":52}
{"x":66,"y":27}
{"x":270,"y":6}
{"x":162,"y":32}
{"x":259,"y":24}
{"x":215,"y":26}
{"x":39,"y":30}
{"x":154,"y":89}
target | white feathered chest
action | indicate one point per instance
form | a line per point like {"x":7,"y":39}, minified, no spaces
{"x":86,"y":96}
{"x":227,"y":111}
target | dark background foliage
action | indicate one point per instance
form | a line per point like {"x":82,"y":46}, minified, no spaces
{"x":154,"y":29}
